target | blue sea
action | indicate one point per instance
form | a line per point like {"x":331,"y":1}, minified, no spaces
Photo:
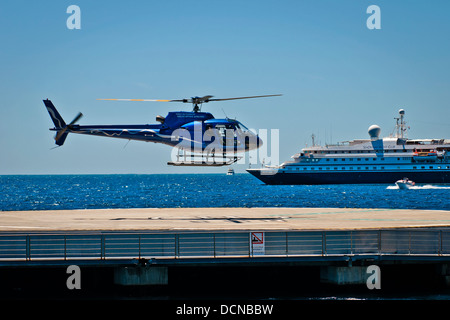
{"x":58,"y":192}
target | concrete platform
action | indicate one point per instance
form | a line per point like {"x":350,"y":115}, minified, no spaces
{"x":209,"y":219}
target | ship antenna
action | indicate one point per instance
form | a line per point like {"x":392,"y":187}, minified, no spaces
{"x":400,"y":127}
{"x":402,"y":123}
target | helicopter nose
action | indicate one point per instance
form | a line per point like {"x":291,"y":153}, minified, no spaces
{"x":259,"y":142}
{"x":254,"y":142}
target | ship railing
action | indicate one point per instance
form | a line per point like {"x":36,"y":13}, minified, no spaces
{"x":178,"y":245}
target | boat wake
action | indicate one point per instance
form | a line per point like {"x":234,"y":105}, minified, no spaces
{"x":426,"y":186}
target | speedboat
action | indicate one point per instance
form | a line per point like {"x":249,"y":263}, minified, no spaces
{"x":404,"y":183}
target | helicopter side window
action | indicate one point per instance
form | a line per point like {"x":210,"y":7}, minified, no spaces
{"x":221,"y":129}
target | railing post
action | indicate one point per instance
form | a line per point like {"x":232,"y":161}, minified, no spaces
{"x":324,"y":243}
{"x":27,"y":248}
{"x":250,"y":246}
{"x":351,"y":242}
{"x":102,"y":247}
{"x":379,"y":242}
{"x":65,"y":248}
{"x":287,"y":251}
{"x":214,"y":244}
{"x":409,"y":242}
{"x":176,"y":245}
{"x":139,"y":244}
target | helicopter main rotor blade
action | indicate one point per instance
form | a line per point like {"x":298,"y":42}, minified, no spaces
{"x":194,"y":99}
{"x":142,"y":100}
{"x":269,"y":95}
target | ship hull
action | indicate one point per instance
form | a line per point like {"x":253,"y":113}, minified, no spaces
{"x":356,"y":177}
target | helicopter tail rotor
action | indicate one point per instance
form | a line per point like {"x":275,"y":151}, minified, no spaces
{"x":60,"y":125}
{"x":62,"y":134}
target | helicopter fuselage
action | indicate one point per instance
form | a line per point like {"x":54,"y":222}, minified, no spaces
{"x":193,"y":131}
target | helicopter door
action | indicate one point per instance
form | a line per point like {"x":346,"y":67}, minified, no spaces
{"x":227,"y":134}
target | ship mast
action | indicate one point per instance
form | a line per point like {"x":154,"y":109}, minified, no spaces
{"x":400,"y":126}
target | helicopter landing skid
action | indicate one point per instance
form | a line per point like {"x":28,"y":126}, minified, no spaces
{"x":202,"y":161}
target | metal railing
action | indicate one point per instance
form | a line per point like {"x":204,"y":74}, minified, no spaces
{"x":222,"y":244}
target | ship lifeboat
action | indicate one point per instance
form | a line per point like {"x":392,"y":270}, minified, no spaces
{"x":425,"y":155}
{"x":404,"y":183}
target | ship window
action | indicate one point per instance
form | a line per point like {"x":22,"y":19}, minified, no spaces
{"x":359,"y":159}
{"x":367,"y":168}
{"x":431,"y":167}
{"x":304,"y":168}
{"x":343,"y":168}
{"x":320,"y":168}
{"x":382,"y":168}
{"x":398,"y":158}
{"x":367,"y":159}
{"x":335,"y":168}
{"x":351,"y":159}
{"x":374,"y":168}
{"x":359,"y":168}
{"x":343,"y":159}
{"x":414,"y":167}
{"x":335,"y":159}
{"x":328,"y":168}
{"x":422,"y":167}
{"x":447,"y":167}
{"x":328,"y":159}
{"x":351,"y":168}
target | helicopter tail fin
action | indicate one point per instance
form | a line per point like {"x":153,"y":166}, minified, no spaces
{"x":60,"y":124}
{"x":61,"y":127}
{"x":54,"y":114}
{"x":60,"y":140}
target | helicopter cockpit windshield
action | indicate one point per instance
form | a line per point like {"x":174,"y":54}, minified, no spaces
{"x":241,"y":127}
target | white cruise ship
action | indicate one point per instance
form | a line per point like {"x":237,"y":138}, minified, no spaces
{"x":373,"y":160}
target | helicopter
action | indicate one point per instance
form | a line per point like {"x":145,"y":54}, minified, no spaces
{"x":199,"y":138}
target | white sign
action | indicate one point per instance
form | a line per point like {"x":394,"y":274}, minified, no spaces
{"x":257,"y":243}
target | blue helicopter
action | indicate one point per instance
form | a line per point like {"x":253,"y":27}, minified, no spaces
{"x":200,"y":139}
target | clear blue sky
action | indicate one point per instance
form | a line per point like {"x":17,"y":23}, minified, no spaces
{"x":337,"y":77}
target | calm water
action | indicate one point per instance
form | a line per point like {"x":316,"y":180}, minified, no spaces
{"x":56,"y":192}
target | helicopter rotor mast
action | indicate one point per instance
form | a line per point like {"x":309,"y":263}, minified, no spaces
{"x":196,"y":101}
